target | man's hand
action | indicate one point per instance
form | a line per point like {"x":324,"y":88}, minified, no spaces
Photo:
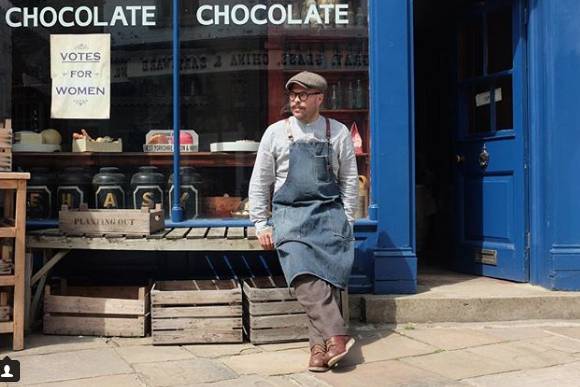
{"x":265,"y":238}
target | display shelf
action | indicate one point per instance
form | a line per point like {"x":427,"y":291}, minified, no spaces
{"x":87,"y":159}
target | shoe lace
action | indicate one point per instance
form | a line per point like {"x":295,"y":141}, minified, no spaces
{"x":317,"y":349}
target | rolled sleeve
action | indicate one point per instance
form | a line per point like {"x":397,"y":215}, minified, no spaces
{"x":348,"y":175}
{"x":263,"y":177}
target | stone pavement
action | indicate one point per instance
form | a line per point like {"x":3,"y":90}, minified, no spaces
{"x":524,"y":353}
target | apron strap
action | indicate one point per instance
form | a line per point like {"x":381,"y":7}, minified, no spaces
{"x":328,"y":162}
{"x":289,"y":131}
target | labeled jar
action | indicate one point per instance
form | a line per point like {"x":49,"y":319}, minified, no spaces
{"x":147,"y":187}
{"x":41,"y":194}
{"x":190,"y":192}
{"x":74,"y":187}
{"x":109,"y":188}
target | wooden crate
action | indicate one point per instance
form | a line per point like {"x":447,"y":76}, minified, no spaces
{"x":6,"y":146}
{"x":199,"y":311}
{"x":113,"y":222}
{"x":96,"y":311}
{"x":271,"y":312}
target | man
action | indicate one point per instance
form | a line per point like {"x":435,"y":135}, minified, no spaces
{"x":310,"y":161}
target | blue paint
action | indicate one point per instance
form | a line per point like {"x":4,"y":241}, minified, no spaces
{"x":176,"y":210}
{"x":392,"y":133}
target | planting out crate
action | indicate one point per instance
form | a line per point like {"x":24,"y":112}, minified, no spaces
{"x":140,"y":222}
{"x":96,"y":311}
{"x":272,"y":314}
{"x":198,"y":311}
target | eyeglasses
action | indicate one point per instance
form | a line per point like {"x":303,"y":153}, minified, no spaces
{"x":303,"y":96}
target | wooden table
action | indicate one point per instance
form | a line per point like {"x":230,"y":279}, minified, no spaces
{"x":171,"y":239}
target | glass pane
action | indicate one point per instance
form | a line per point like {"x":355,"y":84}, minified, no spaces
{"x":234,"y":65}
{"x":478,"y":108}
{"x":504,"y":104}
{"x":499,"y":36}
{"x":470,"y":49}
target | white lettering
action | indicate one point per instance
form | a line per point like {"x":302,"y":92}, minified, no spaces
{"x":99,"y":23}
{"x":133,"y":9}
{"x":118,"y":14}
{"x":84,"y":16}
{"x":31,"y":15}
{"x":326,"y":8}
{"x":291,"y":19}
{"x":312,"y":13}
{"x":148,"y":16}
{"x":245,"y":12}
{"x":199,"y":15}
{"x":87,"y":21}
{"x":253,"y":13}
{"x":53,"y":19}
{"x":9,"y":18}
{"x":61,"y":20}
{"x":225,"y":14}
{"x":341,"y":14}
{"x":282,"y":14}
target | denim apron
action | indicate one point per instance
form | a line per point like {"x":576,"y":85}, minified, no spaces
{"x":311,"y":232}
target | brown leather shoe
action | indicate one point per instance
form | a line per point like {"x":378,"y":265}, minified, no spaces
{"x":317,"y":359}
{"x":336,"y":348}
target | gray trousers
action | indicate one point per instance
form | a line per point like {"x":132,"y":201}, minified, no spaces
{"x":320,"y":301}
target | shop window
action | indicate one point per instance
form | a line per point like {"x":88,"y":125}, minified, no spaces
{"x":232,"y":87}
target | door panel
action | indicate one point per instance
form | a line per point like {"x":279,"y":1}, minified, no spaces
{"x":490,"y":178}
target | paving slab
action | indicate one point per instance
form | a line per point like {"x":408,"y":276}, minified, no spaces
{"x":38,"y":344}
{"x":516,"y":333}
{"x":283,"y":346}
{"x":220,"y":350}
{"x":383,"y":374}
{"x":392,"y":346}
{"x":130,"y":380}
{"x":573,"y":332}
{"x":567,"y":375}
{"x":560,"y":343}
{"x":522,"y":354}
{"x":458,"y":364}
{"x":183,"y":372}
{"x":269,"y":363}
{"x":451,"y":338}
{"x":249,"y":381}
{"x":64,"y":366}
{"x":131,"y":341}
{"x":151,"y":354}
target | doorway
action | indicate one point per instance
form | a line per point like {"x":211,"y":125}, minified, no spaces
{"x":470,"y":137}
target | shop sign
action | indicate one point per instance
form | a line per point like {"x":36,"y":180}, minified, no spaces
{"x":80,"y":68}
{"x":83,"y":16}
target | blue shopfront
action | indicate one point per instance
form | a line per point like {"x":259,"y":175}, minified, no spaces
{"x":468,"y":133}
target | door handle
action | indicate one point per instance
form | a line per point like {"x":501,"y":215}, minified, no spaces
{"x":459,"y":159}
{"x":484,"y":157}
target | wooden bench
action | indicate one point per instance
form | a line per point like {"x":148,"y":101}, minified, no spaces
{"x":57,"y":245}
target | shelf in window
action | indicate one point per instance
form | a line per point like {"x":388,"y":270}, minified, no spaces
{"x":88,"y":159}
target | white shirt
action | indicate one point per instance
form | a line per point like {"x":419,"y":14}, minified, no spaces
{"x":272,"y":162}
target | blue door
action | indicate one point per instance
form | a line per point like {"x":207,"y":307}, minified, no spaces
{"x":490,"y":141}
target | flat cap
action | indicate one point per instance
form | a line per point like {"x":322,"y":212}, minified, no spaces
{"x":308,"y":80}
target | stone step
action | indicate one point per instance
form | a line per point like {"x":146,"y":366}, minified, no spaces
{"x":453,"y":297}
